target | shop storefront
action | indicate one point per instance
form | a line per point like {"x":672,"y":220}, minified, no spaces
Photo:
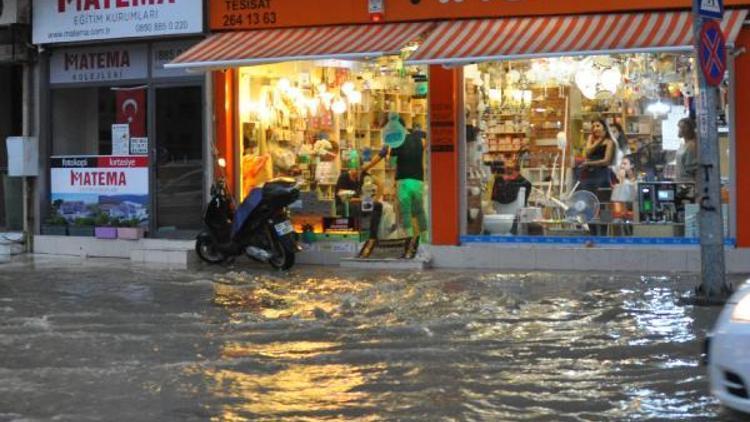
{"x":322,"y":105}
{"x":547,"y":123}
{"x":125,"y":137}
{"x":581,"y":129}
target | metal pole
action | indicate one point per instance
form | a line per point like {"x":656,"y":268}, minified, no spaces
{"x":710,"y":223}
{"x":28,"y":182}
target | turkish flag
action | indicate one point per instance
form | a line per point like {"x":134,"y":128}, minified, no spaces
{"x":131,"y":109}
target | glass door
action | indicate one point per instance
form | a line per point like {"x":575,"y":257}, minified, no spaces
{"x":179,"y":161}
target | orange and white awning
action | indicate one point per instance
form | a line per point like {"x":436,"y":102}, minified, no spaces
{"x":349,"y":42}
{"x":478,"y":40}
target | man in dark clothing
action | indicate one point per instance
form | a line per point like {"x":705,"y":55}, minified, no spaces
{"x":351,"y":180}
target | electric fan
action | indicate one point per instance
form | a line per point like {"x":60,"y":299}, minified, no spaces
{"x":581,"y":207}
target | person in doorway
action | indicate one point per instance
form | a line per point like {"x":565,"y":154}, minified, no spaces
{"x":408,"y":148}
{"x":506,"y":187}
{"x":624,"y":192}
{"x":594,"y":172}
{"x":621,"y":143}
{"x":686,"y":161}
{"x":352,"y":180}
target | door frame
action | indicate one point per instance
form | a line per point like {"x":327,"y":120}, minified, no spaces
{"x":151,"y":101}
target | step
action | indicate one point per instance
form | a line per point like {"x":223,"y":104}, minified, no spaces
{"x":416,"y":264}
{"x":11,"y":243}
{"x":178,"y":258}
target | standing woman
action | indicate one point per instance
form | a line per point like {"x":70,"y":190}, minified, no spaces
{"x":621,"y":142}
{"x":599,"y":152}
{"x":687,"y":155}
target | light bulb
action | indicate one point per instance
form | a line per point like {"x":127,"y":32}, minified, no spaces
{"x":610,"y":79}
{"x":355,"y":97}
{"x":338,"y":106}
{"x":347,"y":88}
{"x":284,"y":84}
{"x":325,"y":99}
{"x":312,"y":105}
{"x":495,"y":95}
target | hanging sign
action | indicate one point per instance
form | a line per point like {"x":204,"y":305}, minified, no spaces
{"x":84,"y":186}
{"x":98,"y":64}
{"x":711,"y":9}
{"x":713,"y":52}
{"x":77,"y":20}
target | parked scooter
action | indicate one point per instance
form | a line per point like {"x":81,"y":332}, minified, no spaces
{"x":260,"y":227}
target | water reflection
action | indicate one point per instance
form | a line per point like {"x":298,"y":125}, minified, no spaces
{"x":294,"y":386}
{"x":457,"y":346}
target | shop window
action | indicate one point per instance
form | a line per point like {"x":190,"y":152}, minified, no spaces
{"x":87,"y":187}
{"x":82,"y":120}
{"x":585,"y":146}
{"x":325,"y":122}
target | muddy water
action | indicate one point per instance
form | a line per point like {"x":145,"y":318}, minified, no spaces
{"x":109,"y":341}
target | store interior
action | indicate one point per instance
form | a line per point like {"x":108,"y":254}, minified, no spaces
{"x":538,"y":163}
{"x":318,"y":122}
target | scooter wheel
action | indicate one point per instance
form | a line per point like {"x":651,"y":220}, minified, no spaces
{"x":283,"y":258}
{"x":206,"y":250}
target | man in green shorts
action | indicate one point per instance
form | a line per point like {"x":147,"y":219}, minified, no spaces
{"x":409,"y":153}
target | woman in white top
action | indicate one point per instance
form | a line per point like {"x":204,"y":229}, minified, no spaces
{"x":686,"y":162}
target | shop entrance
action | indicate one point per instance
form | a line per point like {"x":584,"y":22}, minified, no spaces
{"x":11,"y":214}
{"x":179,"y":161}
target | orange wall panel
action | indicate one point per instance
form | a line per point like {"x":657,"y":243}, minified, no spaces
{"x":444,"y":189}
{"x":742,"y":136}
{"x":224,"y":123}
{"x":258,"y":14}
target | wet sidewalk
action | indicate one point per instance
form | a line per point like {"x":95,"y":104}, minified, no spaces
{"x":111,"y":340}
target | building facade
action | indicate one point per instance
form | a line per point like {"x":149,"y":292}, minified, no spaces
{"x":509,"y":100}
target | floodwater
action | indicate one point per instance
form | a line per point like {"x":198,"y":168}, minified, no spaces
{"x":104,"y":340}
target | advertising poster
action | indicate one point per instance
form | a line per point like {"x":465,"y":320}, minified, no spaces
{"x":76,"y":20}
{"x":120,"y":139}
{"x":87,"y":186}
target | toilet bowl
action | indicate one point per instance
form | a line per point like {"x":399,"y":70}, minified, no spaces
{"x":501,"y":223}
{"x":498,"y":224}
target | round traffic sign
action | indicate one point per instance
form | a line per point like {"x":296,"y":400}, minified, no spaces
{"x":713,"y":52}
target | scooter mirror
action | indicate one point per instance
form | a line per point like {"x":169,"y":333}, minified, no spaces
{"x":222,"y":163}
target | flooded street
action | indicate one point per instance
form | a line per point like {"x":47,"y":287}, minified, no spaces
{"x":107,"y":340}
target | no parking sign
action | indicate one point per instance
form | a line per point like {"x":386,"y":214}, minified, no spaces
{"x":713,"y":52}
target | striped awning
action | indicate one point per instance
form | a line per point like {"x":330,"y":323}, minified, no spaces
{"x":478,"y":40}
{"x":349,"y":42}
